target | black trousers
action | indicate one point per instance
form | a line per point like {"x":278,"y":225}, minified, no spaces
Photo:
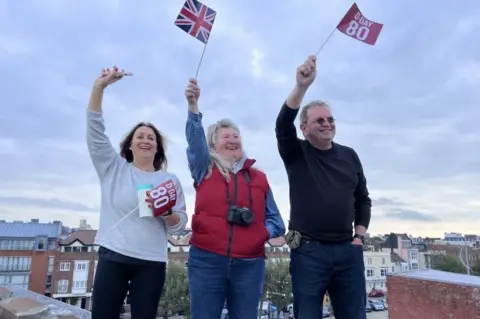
{"x":115,"y":275}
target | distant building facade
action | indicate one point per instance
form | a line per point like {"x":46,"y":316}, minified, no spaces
{"x":27,"y":254}
{"x":75,"y":268}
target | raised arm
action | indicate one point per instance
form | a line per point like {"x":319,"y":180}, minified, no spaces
{"x":197,"y":150}
{"x":100,"y":148}
{"x":273,"y":219}
{"x":288,"y":142}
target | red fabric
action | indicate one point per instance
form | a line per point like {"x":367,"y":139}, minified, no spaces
{"x":210,"y":229}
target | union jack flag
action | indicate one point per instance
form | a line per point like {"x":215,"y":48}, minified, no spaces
{"x":196,"y":19}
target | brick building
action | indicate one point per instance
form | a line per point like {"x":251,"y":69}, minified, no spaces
{"x":433,"y":294}
{"x":74,"y":269}
{"x":27,"y":254}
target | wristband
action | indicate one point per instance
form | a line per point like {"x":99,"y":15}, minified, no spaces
{"x":170,"y":212}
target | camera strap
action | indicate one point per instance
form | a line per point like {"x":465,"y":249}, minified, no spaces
{"x":235,"y":190}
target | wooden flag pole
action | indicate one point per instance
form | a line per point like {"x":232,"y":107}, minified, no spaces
{"x":201,"y":59}
{"x":325,"y":42}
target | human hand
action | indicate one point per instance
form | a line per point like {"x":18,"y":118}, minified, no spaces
{"x":357,"y":242}
{"x":307,"y":72}
{"x":192,"y":92}
{"x":108,"y":77}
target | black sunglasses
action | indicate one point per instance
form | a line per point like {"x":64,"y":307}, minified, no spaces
{"x":322,"y":120}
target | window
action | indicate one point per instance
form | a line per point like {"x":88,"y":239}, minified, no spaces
{"x":62,"y":286}
{"x":79,"y":285}
{"x":16,"y":244}
{"x":17,"y":280}
{"x":65,"y":266}
{"x":15,"y":263}
{"x":81,"y":265}
{"x":413,"y":254}
{"x":48,"y":283}
{"x":383,"y":272}
{"x":50,"y":264}
{"x":393,"y":268}
{"x":370,"y":272}
{"x":369,"y":261}
{"x":383,"y":261}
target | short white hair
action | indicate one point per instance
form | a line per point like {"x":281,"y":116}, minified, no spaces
{"x":213,"y":129}
{"x":216,"y":160}
{"x":317,"y":103}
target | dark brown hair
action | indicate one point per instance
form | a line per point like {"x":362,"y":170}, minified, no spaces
{"x":160,"y":160}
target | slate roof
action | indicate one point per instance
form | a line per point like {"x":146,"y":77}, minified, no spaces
{"x":30,"y":230}
{"x":396,"y":258}
{"x":84,"y":236}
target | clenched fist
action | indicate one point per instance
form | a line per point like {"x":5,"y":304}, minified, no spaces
{"x":108,"y":77}
{"x":307,"y":72}
{"x":192,"y":92}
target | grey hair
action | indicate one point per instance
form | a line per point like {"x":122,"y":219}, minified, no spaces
{"x":224,"y":166}
{"x":316,"y":103}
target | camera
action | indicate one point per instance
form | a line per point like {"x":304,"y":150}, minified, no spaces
{"x":239,"y":215}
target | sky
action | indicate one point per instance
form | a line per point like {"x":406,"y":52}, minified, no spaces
{"x":408,"y":105}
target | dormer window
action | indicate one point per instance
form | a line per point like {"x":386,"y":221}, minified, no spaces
{"x":41,"y":243}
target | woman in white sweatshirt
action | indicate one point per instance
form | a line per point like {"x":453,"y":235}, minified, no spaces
{"x":133,"y":249}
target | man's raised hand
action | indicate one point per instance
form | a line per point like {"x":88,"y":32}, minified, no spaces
{"x":108,"y":77}
{"x":192,"y":92}
{"x":307,"y":72}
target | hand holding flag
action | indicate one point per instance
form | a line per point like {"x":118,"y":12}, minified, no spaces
{"x":196,"y":19}
{"x":307,"y":72}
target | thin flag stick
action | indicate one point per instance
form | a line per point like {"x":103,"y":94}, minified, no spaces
{"x":318,"y":52}
{"x":201,"y":59}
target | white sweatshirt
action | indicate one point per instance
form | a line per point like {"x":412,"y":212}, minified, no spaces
{"x":142,"y":238}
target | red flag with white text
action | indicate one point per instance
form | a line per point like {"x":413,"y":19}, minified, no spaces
{"x":355,"y":25}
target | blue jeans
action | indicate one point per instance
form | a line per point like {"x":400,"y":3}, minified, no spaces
{"x":214,"y":279}
{"x":337,"y":268}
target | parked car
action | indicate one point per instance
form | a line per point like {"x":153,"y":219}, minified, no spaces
{"x":376,"y":305}
{"x":368,"y":308}
{"x":376,"y":293}
{"x":385,"y":304}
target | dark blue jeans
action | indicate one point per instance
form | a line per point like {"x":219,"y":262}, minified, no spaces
{"x":337,"y":268}
{"x":214,"y":279}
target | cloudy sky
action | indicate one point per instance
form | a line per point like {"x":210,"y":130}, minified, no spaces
{"x":409,"y":105}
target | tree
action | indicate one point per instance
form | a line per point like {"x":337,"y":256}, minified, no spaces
{"x":475,"y":268}
{"x":278,"y":284}
{"x":175,"y":291}
{"x":448,"y":262}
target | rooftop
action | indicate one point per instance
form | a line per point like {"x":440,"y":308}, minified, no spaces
{"x":84,"y":236}
{"x":30,"y":230}
{"x":441,"y":276}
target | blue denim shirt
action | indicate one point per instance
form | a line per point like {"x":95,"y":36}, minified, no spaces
{"x":199,"y":160}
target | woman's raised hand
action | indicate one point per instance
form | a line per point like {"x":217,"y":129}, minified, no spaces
{"x":108,"y":77}
{"x":192,"y":92}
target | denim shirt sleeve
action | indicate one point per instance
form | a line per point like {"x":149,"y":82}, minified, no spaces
{"x":273,"y":219}
{"x":197,"y":150}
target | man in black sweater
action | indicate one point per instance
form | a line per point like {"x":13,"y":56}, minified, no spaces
{"x":328,"y":195}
